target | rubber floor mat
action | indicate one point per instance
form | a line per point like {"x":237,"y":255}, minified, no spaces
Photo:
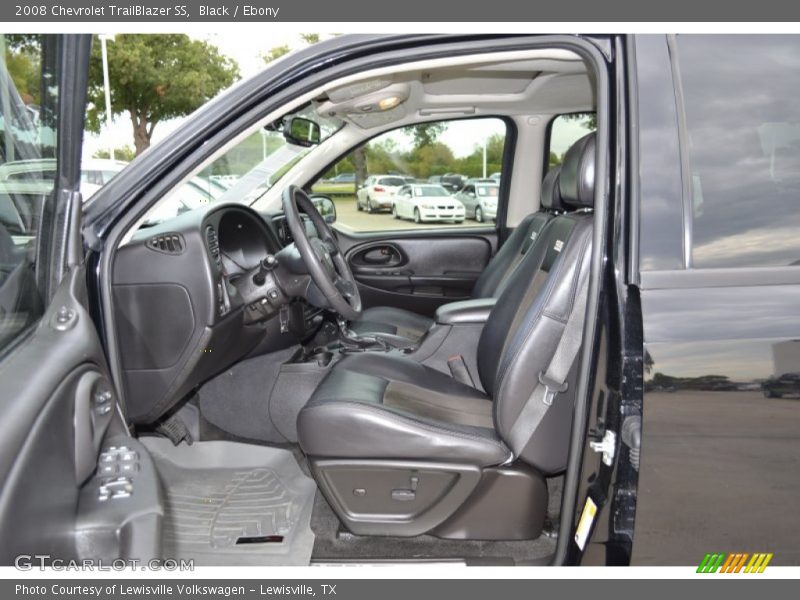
{"x":228,"y":503}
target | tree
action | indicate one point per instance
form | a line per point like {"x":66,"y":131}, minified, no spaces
{"x":23,"y":63}
{"x":359,"y":160}
{"x":587,"y":120}
{"x":275,"y":53}
{"x":310,"y":38}
{"x":154,"y":78}
{"x":125,"y":153}
{"x":426,"y":133}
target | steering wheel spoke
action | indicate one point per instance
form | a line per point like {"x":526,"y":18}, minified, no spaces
{"x":346,"y":288}
{"x":321,"y":255}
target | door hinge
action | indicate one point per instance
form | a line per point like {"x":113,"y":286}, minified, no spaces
{"x":608,"y":446}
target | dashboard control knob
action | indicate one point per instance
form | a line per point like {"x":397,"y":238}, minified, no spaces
{"x":267,"y":264}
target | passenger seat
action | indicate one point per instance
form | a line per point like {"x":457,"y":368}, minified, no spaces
{"x":493,"y":279}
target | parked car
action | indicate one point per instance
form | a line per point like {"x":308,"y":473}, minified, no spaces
{"x":452,"y":182}
{"x":496,"y":176}
{"x":426,"y":203}
{"x":480,"y":200}
{"x":487,"y":395}
{"x":344,"y":178}
{"x":787,"y":384}
{"x":377,"y":192}
{"x":94,"y":173}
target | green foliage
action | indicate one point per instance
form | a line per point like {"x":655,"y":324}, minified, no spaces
{"x":422,"y":162}
{"x":24,"y":68}
{"x":425,"y":134}
{"x":24,"y":65}
{"x":587,"y":120}
{"x":310,"y":38}
{"x":156,"y":77}
{"x":125,"y":153}
{"x":275,"y":53}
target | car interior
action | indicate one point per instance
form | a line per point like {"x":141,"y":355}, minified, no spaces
{"x":308,"y":393}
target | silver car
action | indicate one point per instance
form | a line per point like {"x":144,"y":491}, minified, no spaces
{"x":479,"y":200}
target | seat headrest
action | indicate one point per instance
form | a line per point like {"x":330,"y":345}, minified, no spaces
{"x":576,"y":181}
{"x":550,"y":197}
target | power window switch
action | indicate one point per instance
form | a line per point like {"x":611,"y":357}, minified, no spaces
{"x":108,"y":469}
{"x":126,"y":468}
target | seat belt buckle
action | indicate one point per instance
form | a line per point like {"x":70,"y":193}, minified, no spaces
{"x":552,"y":388}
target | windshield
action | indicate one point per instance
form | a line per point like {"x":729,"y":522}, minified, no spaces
{"x":430,"y":190}
{"x":246,"y":171}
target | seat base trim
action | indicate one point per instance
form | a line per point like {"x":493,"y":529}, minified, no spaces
{"x":393,"y":497}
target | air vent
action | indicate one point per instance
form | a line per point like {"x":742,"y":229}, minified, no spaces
{"x":168,"y":243}
{"x":213,"y":244}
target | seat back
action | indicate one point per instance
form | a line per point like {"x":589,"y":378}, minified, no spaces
{"x":526,"y":325}
{"x":496,"y":274}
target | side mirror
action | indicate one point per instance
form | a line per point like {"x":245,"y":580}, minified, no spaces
{"x":301,"y":132}
{"x":325,"y":207}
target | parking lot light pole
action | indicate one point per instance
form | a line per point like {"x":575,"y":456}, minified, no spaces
{"x":104,"y":38}
{"x":484,"y":159}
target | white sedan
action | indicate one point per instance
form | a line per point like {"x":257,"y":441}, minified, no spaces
{"x":425,"y":203}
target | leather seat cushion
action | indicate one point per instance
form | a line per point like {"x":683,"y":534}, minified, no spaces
{"x":396,"y":321}
{"x":379,"y":406}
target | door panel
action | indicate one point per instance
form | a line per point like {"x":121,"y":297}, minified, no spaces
{"x":417,"y":270}
{"x":58,"y":402}
{"x":714,"y":441}
{"x":59,"y":412}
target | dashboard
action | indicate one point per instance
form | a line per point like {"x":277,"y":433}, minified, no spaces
{"x":179,"y":316}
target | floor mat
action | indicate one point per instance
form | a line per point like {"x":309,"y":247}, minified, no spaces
{"x":234,"y":504}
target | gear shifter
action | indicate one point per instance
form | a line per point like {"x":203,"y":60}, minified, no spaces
{"x":354,"y":342}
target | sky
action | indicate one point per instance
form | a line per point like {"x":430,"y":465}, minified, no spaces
{"x":246,"y":50}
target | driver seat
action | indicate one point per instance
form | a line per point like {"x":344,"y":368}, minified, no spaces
{"x":412,"y":326}
{"x":399,"y":448}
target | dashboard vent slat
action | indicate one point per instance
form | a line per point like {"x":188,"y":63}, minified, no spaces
{"x":212,"y":241}
{"x":168,"y":243}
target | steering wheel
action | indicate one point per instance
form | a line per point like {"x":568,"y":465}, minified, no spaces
{"x":321,"y":255}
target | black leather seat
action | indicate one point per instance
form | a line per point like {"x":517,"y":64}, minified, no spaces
{"x":375,"y":411}
{"x":383,"y":406}
{"x":410,"y":325}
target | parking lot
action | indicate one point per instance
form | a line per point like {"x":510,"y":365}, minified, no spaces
{"x":350,"y":219}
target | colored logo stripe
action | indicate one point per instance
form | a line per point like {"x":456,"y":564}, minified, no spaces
{"x":734,"y":562}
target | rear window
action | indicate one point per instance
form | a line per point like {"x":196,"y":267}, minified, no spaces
{"x":743,"y":143}
{"x":395,"y":181}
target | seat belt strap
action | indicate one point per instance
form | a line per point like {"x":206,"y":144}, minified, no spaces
{"x":554,"y":380}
